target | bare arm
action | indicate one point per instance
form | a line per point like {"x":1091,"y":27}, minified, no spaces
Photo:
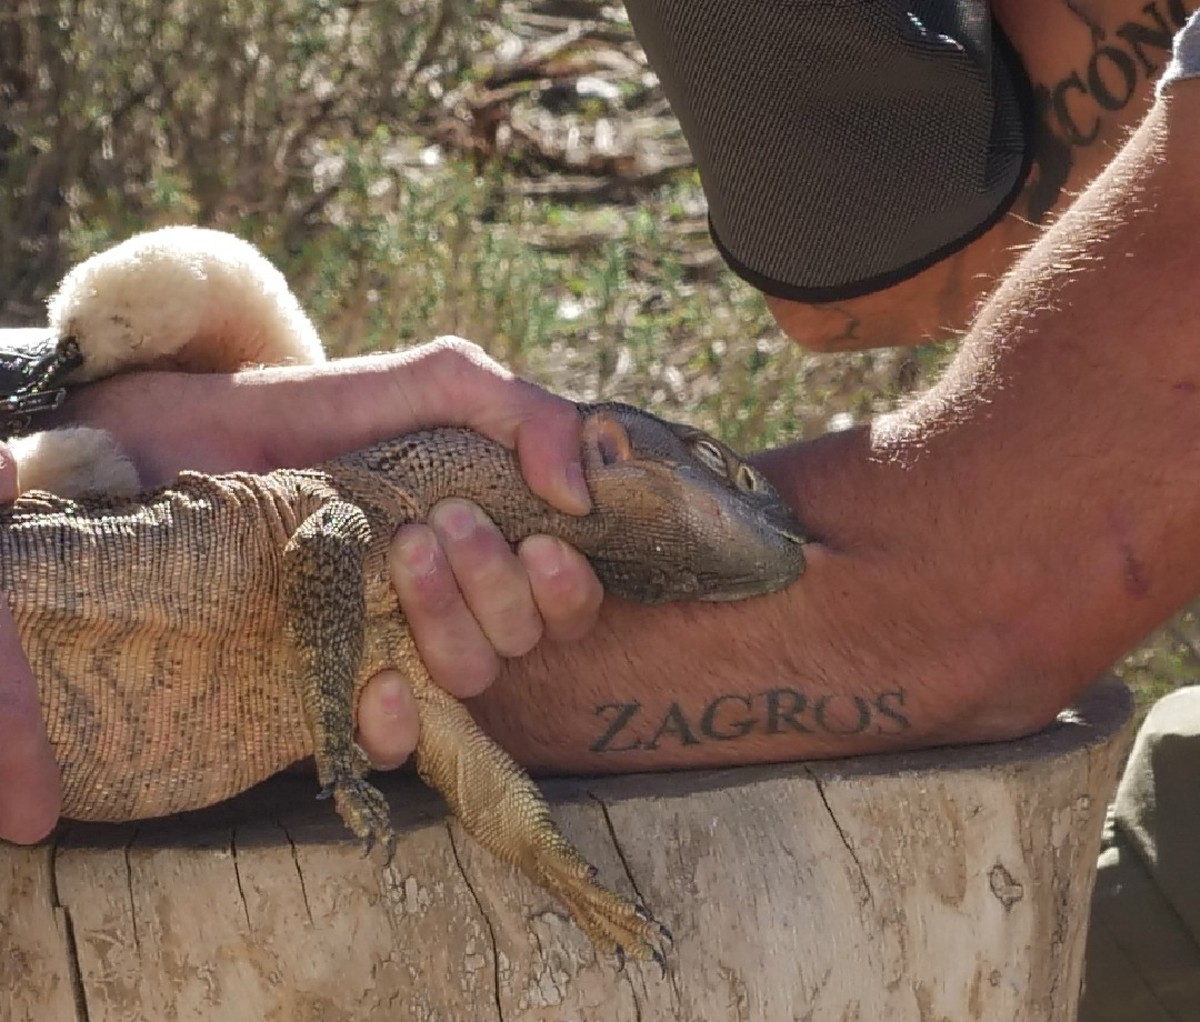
{"x":29,"y":784}
{"x":1092,"y":66}
{"x":984,"y":553}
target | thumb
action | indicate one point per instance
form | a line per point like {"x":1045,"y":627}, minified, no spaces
{"x":544,"y":430}
{"x":387,"y":720}
{"x":8,"y":475}
{"x":30,"y":791}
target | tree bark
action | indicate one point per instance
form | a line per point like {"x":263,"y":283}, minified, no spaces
{"x":951,"y":884}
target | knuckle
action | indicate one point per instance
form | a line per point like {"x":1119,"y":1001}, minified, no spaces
{"x":467,"y":535}
{"x":454,"y":347}
{"x":564,"y":584}
{"x":461,"y":362}
{"x":465,"y":671}
{"x":548,"y":408}
{"x":573,"y":623}
{"x":515,"y":626}
{"x":430,"y":594}
{"x":571,"y":612}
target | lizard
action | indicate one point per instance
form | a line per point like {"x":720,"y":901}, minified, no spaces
{"x":195,"y":640}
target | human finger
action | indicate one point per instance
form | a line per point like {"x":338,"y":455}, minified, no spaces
{"x":542,"y":428}
{"x":490,"y":577}
{"x":388,"y":725}
{"x":566,"y":590}
{"x":453,"y":646}
{"x":9,"y":485}
{"x":30,"y":789}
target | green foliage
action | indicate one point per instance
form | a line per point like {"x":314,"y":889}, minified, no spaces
{"x":121,"y":116}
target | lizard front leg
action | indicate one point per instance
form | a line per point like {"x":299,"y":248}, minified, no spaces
{"x":324,"y":624}
{"x":502,"y":809}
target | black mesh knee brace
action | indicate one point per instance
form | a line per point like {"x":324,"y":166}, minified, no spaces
{"x":843,"y":145}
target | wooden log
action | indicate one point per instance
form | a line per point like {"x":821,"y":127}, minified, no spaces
{"x":951,"y":884}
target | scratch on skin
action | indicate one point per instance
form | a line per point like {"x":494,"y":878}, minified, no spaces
{"x":487,"y":921}
{"x":868,"y":897}
{"x":74,"y":972}
{"x":1136,"y":584}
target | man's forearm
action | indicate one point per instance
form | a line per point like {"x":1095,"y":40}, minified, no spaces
{"x":850,"y":660}
{"x":983,"y":555}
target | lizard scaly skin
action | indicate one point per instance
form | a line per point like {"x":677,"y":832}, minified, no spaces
{"x":194,"y":642}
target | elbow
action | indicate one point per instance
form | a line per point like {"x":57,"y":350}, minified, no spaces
{"x":1010,"y":698}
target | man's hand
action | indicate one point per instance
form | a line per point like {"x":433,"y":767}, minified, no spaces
{"x":30,"y":796}
{"x":470,"y":600}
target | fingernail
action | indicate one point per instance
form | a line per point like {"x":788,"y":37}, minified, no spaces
{"x":578,"y":485}
{"x":393,"y":697}
{"x":418,"y":554}
{"x":545,"y":555}
{"x":455,"y":520}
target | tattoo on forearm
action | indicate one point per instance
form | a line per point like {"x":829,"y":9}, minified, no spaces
{"x":629,"y":727}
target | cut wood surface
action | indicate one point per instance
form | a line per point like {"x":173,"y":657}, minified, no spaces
{"x":945,"y":885}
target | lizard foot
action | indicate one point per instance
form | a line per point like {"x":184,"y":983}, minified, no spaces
{"x":614,"y":924}
{"x":364,"y":810}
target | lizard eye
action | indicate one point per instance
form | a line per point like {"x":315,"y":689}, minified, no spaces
{"x":710,"y":454}
{"x":747,"y":479}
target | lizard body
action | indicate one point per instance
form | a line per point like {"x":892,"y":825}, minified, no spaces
{"x":200,"y":639}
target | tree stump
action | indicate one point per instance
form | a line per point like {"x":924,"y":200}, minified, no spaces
{"x":951,"y":884}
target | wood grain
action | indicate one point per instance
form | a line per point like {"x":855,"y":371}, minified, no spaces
{"x":951,"y":884}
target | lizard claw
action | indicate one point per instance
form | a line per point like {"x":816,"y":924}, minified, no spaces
{"x":364,"y":810}
{"x":614,"y":923}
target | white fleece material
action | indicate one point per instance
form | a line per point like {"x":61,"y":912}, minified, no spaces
{"x":1185,"y":63}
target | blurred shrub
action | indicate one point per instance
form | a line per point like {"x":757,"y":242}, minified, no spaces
{"x":118,"y":116}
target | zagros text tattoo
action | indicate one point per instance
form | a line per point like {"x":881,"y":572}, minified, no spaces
{"x":630,"y":727}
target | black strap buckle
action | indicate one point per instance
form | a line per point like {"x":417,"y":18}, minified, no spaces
{"x":32,"y":381}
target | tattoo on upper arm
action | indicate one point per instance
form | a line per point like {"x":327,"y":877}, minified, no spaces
{"x":1071,"y":110}
{"x":629,"y":727}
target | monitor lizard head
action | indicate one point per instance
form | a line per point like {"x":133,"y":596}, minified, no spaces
{"x":687,"y":517}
